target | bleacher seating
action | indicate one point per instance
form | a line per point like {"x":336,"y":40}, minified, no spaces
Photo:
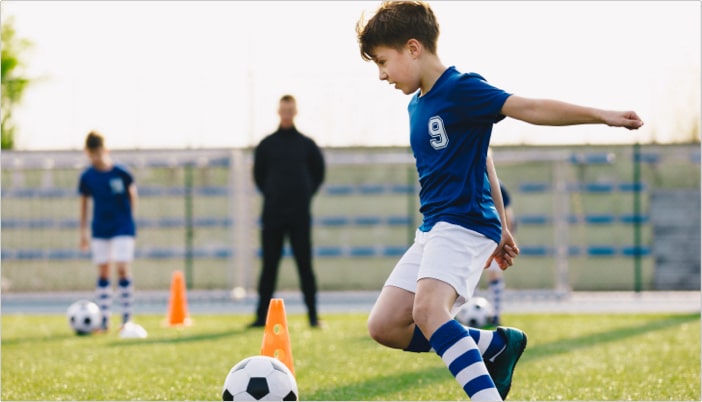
{"x":331,"y":221}
{"x":342,"y":220}
{"x":321,"y":251}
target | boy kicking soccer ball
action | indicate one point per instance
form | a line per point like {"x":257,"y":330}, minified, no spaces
{"x":451,"y":116}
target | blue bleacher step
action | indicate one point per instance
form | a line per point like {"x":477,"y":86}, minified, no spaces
{"x":599,"y":219}
{"x":646,"y":157}
{"x":631,"y":251}
{"x":534,"y":187}
{"x":632,"y":186}
{"x":633,"y":218}
{"x":597,"y":187}
{"x":592,"y":158}
{"x":601,"y":251}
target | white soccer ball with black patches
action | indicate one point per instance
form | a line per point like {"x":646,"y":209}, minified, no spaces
{"x":260,"y":378}
{"x":84,"y":317}
{"x":477,"y":313}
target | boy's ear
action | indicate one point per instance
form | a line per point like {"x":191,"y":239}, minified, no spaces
{"x":415,"y":47}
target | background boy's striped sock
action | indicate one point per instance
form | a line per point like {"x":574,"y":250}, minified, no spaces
{"x":126,"y":298}
{"x":497,"y":287}
{"x":461,"y":355}
{"x":103,"y":294}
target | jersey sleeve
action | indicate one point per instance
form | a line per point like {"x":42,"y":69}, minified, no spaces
{"x":126,"y":176}
{"x":482,"y":101}
{"x":83,"y":188}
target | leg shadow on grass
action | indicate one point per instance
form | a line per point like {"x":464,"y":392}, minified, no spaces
{"x":39,"y":338}
{"x":589,"y":340}
{"x":379,"y":387}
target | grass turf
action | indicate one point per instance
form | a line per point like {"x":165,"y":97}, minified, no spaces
{"x":569,"y":357}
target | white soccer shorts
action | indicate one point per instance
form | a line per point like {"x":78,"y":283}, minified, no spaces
{"x":449,"y":253}
{"x":118,"y":249}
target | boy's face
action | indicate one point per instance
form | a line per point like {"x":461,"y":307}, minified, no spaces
{"x":397,"y":67}
{"x":96,"y":156}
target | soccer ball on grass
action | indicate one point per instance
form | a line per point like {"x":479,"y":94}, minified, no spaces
{"x":260,"y":378}
{"x":84,"y":317}
{"x":477,"y":313}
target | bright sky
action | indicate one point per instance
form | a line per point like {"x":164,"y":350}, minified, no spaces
{"x":176,"y":74}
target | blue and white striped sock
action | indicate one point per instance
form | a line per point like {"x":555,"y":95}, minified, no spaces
{"x":497,"y":288}
{"x":103,"y":294}
{"x":454,"y":345}
{"x":126,"y":298}
{"x":418,"y":343}
{"x":490,"y":343}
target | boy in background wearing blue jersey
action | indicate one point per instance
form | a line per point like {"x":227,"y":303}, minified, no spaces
{"x":451,"y":118}
{"x":113,"y":230}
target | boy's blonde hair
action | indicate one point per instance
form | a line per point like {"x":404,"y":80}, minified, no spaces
{"x":288,"y":98}
{"x":94,"y":141}
{"x":396,"y":22}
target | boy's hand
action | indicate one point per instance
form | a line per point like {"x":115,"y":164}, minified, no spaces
{"x":84,"y":244}
{"x":504,"y":253}
{"x":628,"y":119}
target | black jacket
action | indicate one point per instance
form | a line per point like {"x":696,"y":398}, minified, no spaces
{"x":288,"y":171}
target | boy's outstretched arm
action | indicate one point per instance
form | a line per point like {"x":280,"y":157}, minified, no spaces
{"x":548,"y":112}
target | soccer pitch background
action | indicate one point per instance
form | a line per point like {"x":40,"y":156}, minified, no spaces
{"x":585,"y":356}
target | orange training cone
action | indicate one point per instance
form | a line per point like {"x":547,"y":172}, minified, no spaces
{"x":276,"y":340}
{"x":178,"y":302}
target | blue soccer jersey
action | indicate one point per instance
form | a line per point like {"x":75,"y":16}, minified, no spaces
{"x":112,"y":211}
{"x":450,"y":129}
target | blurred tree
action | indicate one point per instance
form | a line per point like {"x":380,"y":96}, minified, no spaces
{"x":13,"y":82}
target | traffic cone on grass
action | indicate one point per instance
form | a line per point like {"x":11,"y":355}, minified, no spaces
{"x":178,"y":302}
{"x":276,"y":339}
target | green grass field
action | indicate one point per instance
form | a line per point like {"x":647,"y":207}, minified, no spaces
{"x":569,"y":357}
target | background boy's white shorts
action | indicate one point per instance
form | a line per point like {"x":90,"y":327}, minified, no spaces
{"x":118,"y":249}
{"x":449,"y":253}
{"x":494,"y":267}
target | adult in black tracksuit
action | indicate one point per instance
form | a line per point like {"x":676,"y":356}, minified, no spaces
{"x":288,"y":171}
